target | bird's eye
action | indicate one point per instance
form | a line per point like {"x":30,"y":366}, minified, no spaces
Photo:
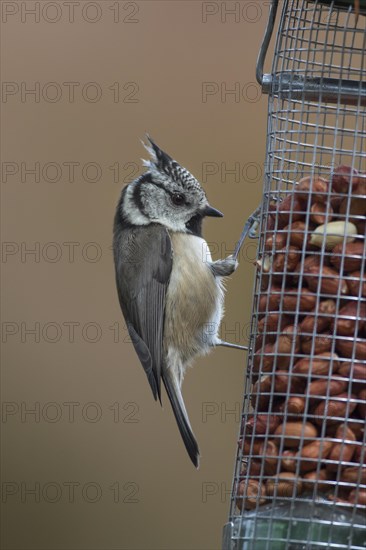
{"x":178,"y":199}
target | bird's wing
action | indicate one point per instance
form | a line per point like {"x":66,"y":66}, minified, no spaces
{"x":143,"y":263}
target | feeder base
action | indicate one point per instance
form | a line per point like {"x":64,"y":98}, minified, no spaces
{"x":296,"y":526}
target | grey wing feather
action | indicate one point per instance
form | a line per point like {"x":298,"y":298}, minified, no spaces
{"x":143,"y":262}
{"x":145,"y":358}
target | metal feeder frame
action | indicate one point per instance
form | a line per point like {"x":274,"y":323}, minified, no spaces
{"x":316,"y":121}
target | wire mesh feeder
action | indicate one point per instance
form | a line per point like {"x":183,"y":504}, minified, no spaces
{"x":300,"y":476}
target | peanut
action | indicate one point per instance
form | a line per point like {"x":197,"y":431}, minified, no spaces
{"x":324,"y":387}
{"x":261,"y":424}
{"x":333,"y":233}
{"x":321,"y":343}
{"x":312,"y":260}
{"x":336,"y":201}
{"x":349,"y":257}
{"x":319,"y":319}
{"x":249,"y":445}
{"x":356,"y":425}
{"x":313,"y":480}
{"x":264,"y":281}
{"x":272,"y":323}
{"x":361,"y":226}
{"x":312,"y":453}
{"x":290,"y":210}
{"x":361,"y":407}
{"x":286,"y":383}
{"x":359,"y":456}
{"x":321,"y":213}
{"x":285,"y":484}
{"x":344,"y":450}
{"x":334,"y":411}
{"x":298,"y":232}
{"x":342,"y":177}
{"x":314,"y":188}
{"x":353,"y":371}
{"x":303,"y":300}
{"x":289,"y":340}
{"x":285,"y":260}
{"x":354,"y":474}
{"x":270,"y":300}
{"x":355,"y":347}
{"x":251,"y":468}
{"x":275,"y":241}
{"x":296,"y":405}
{"x":288,"y":461}
{"x":269,"y":455}
{"x":263,"y":359}
{"x":357,"y":496}
{"x":350,"y":317}
{"x":354,"y":208}
{"x":254,"y":494}
{"x":270,"y":221}
{"x":261,"y":393}
{"x":294,"y":432}
{"x":264,"y":264}
{"x":323,"y":364}
{"x":354,"y":283}
{"x":360,"y":186}
{"x":327,"y":279}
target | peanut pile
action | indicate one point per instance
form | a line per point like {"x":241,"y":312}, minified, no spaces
{"x":305,"y":434}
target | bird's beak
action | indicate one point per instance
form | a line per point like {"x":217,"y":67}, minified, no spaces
{"x":209,"y":211}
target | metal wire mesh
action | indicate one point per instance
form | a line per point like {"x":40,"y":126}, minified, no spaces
{"x":300,"y":475}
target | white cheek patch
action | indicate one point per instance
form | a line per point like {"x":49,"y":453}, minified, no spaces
{"x":130,"y":210}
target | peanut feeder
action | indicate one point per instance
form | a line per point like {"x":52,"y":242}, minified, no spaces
{"x":300,"y":476}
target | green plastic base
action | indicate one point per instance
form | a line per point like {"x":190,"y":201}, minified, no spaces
{"x":299,"y":526}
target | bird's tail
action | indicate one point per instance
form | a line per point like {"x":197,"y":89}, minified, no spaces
{"x":175,"y":396}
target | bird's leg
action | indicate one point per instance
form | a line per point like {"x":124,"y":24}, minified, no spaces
{"x":251,"y":226}
{"x":220,"y":342}
{"x":224,"y":268}
{"x":251,"y":222}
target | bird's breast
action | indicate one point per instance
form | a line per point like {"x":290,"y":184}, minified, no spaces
{"x":194,"y":296}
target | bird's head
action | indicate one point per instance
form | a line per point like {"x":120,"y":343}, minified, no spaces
{"x":167,"y":194}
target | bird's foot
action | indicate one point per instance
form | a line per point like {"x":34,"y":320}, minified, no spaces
{"x":224,"y":268}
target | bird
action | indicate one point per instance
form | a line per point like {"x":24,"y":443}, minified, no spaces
{"x":170,"y":291}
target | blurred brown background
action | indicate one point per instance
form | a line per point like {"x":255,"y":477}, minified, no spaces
{"x":89,"y":461}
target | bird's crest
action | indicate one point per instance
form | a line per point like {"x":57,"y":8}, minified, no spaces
{"x":164,"y":164}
